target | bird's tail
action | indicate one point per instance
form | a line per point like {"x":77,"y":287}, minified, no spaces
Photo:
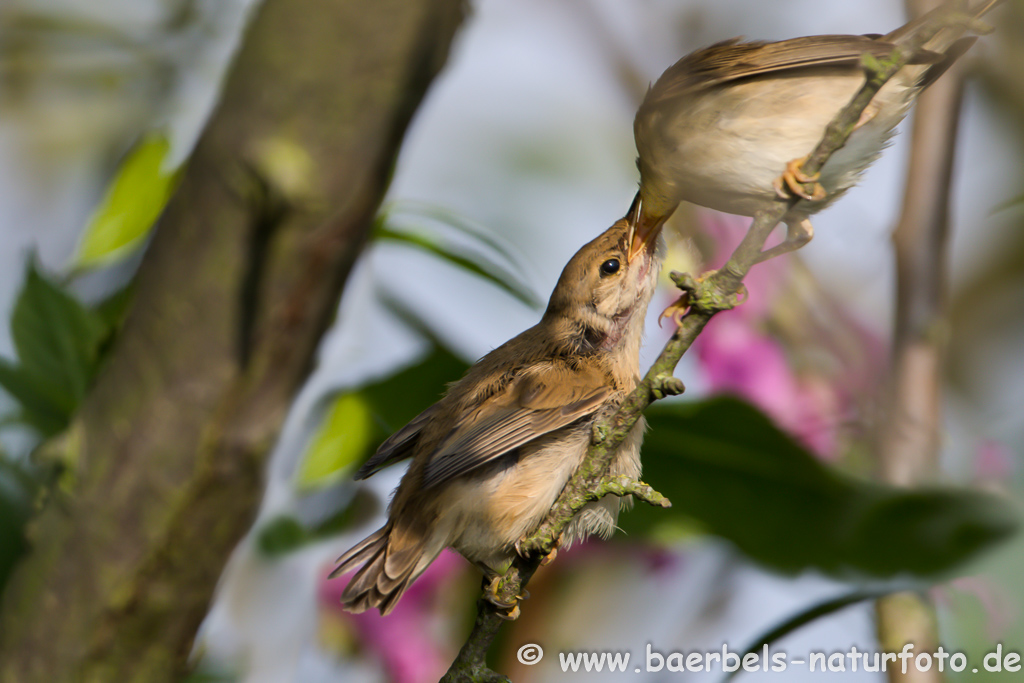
{"x":393,"y":560}
{"x":947,"y":46}
{"x":950,"y":36}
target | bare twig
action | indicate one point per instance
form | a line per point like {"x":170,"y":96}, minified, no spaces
{"x":716,"y":291}
{"x":908,"y":439}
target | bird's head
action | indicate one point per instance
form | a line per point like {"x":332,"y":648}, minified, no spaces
{"x":605,"y":288}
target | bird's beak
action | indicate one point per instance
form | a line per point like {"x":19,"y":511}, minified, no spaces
{"x":643,"y":227}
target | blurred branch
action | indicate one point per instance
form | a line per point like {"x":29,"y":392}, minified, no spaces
{"x":272,"y":213}
{"x":716,"y":291}
{"x":908,"y":439}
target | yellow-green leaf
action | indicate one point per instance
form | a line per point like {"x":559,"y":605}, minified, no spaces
{"x":133,"y":201}
{"x":341,"y":442}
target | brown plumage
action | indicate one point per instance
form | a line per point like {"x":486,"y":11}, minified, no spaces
{"x":721,"y":127}
{"x":489,"y":458}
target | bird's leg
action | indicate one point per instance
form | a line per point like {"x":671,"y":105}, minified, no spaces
{"x":791,"y":182}
{"x":550,"y":557}
{"x":797,"y":235}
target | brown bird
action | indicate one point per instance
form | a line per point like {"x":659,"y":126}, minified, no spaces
{"x":721,"y":124}
{"x":490,"y":458}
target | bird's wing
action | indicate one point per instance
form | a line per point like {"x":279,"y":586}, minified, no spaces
{"x":536,"y":403}
{"x":398,"y":446}
{"x":730,"y":60}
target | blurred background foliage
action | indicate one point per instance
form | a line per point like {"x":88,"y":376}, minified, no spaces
{"x":521,"y":153}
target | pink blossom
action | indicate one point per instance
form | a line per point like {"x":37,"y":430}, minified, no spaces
{"x":764,"y":280}
{"x":994,"y":462}
{"x":738,"y":355}
{"x":738,"y":359}
{"x":657,"y":559}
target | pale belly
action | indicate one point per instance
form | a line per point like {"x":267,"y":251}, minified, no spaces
{"x":505,"y":504}
{"x":725,"y":151}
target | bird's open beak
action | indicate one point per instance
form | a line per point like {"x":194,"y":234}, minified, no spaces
{"x":644,"y":228}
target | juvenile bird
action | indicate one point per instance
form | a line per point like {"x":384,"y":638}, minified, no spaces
{"x":490,"y":458}
{"x":721,"y":124}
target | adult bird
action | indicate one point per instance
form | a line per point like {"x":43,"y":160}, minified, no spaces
{"x":728,"y":126}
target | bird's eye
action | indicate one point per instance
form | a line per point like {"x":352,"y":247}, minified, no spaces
{"x":610,"y":267}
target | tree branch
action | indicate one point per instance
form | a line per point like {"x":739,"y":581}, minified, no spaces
{"x":715,"y":291}
{"x":231,"y":301}
{"x":907,"y":444}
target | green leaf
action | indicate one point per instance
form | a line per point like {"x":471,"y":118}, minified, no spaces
{"x":419,"y":211}
{"x":37,"y":411}
{"x":281,"y":535}
{"x":344,"y":439}
{"x":58,"y":342}
{"x":56,"y":337}
{"x":134,"y":200}
{"x":723,"y":463}
{"x":456,"y":255}
{"x":356,"y":423}
{"x":286,"y":533}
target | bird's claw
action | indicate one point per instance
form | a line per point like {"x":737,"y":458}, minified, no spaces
{"x":703,"y":293}
{"x":793,"y":180}
{"x":547,"y":559}
{"x":550,"y":557}
{"x":506,"y":609}
{"x":676,"y":311}
{"x":740,"y":296}
{"x":509,"y":615}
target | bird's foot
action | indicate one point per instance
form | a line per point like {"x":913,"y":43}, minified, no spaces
{"x":676,"y":311}
{"x":507,"y":609}
{"x":793,"y":182}
{"x":706,"y":292}
{"x":549,"y":558}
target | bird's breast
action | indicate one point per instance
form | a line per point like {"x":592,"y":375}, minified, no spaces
{"x":503,"y":502}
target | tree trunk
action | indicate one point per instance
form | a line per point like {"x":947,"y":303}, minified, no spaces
{"x":241,"y":279}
